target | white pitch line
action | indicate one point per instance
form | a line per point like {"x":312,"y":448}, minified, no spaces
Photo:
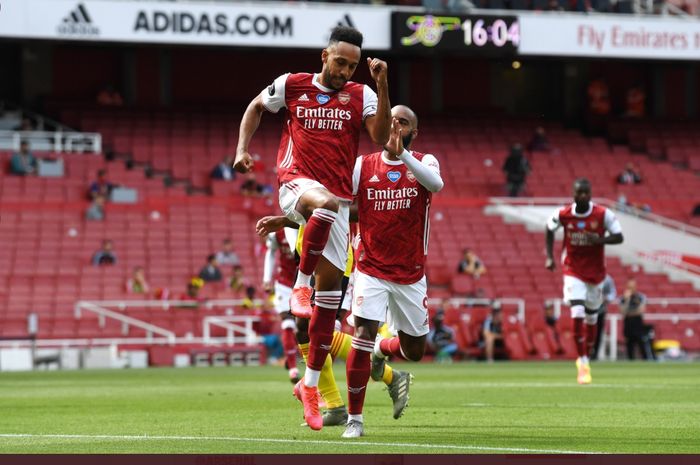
{"x":291,"y":441}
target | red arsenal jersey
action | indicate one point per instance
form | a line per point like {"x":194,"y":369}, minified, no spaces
{"x":321,"y":129}
{"x":581,"y":259}
{"x":394,"y":224}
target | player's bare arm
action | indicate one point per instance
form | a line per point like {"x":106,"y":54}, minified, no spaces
{"x":610,"y":239}
{"x":379,"y":124}
{"x":549,"y":243}
{"x":270,"y":224}
{"x":249,"y":124}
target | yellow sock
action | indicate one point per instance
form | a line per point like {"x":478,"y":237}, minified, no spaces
{"x":327,"y":386}
{"x":304,"y":349}
{"x":340,"y":347}
{"x":388,"y":375}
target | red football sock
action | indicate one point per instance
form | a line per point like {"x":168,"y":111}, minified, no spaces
{"x":289,"y":344}
{"x":591,"y":334}
{"x":357,"y":371}
{"x":392,"y":346}
{"x":579,"y":337}
{"x":316,"y":233}
{"x":321,"y":327}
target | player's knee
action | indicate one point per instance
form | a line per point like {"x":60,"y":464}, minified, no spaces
{"x":414,"y":354}
{"x":364,"y":333}
{"x":578,"y":310}
{"x":413,"y":350}
{"x":328,"y":202}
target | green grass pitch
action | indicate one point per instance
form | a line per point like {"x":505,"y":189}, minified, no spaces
{"x":463,"y":408}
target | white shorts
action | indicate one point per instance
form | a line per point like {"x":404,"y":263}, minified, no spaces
{"x":282,"y":296}
{"x":336,"y":250}
{"x":575,"y":289}
{"x":347,"y":300}
{"x":404,"y":307}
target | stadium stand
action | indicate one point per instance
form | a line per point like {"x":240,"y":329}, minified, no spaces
{"x":49,"y":269}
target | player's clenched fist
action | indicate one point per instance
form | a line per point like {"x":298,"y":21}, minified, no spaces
{"x":377,"y":69}
{"x":243,"y":162}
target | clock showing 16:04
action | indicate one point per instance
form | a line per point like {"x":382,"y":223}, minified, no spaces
{"x":478,"y":34}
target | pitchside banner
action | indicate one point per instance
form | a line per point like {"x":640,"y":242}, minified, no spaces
{"x":304,"y":25}
{"x":610,"y":36}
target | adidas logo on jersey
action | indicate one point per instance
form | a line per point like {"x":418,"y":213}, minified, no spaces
{"x":374,"y":178}
{"x":303,"y":98}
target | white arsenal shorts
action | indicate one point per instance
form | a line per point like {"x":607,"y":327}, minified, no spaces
{"x":336,"y":250}
{"x":575,"y":289}
{"x":404,"y":307}
{"x":282,"y":296}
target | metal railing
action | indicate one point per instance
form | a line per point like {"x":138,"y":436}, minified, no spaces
{"x":126,"y":321}
{"x":610,"y":339}
{"x":239,"y":329}
{"x":51,"y":141}
{"x":630,"y":210}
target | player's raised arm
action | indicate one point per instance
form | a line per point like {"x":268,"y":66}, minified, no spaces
{"x":272,"y":99}
{"x":249,"y":124}
{"x":379,"y":124}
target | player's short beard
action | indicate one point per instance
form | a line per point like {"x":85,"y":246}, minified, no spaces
{"x":407,"y":140}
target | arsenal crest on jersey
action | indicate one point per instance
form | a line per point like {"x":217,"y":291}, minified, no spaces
{"x":344,"y":97}
{"x":594,"y":224}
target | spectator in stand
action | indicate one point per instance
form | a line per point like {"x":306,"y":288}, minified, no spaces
{"x":609,"y":296}
{"x":211,"y":273}
{"x":441,"y":339}
{"x":105,"y":256}
{"x":192,"y":294}
{"x":696,"y":210}
{"x":624,"y":205}
{"x":629,"y":175}
{"x":96,"y":210}
{"x":471,"y":264}
{"x":492,"y":332}
{"x":224,"y":170}
{"x":109,"y":97}
{"x":23,"y":163}
{"x":226,"y":256}
{"x":251,"y":187}
{"x":238,"y":282}
{"x":101,"y":186}
{"x":539,"y":141}
{"x":632,"y":306}
{"x":249,"y":299}
{"x":137,"y":284}
{"x":516,"y":168}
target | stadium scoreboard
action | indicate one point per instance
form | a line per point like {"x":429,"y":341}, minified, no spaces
{"x":492,"y":35}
